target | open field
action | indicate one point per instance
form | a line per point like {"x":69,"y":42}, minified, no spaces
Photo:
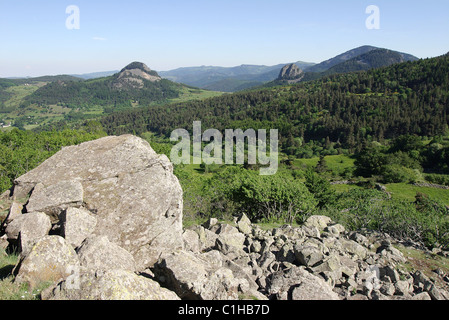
{"x":195,"y":94}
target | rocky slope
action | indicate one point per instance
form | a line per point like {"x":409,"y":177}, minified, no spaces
{"x":102,"y":220}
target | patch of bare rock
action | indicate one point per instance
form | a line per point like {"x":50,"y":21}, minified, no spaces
{"x":103,"y":221}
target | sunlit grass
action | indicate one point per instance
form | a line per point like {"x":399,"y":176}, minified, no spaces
{"x":407,"y":192}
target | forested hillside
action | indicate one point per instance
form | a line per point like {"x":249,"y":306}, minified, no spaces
{"x":39,"y":102}
{"x":337,"y":113}
{"x":102,"y":93}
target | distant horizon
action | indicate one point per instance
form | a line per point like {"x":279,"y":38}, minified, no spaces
{"x":50,"y":37}
{"x":118,"y":70}
{"x":195,"y":66}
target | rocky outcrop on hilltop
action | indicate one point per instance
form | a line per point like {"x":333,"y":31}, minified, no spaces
{"x":102,"y":221}
{"x":291,"y":73}
{"x":133,"y":76}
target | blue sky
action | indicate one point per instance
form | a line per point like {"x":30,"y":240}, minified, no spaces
{"x":169,"y":34}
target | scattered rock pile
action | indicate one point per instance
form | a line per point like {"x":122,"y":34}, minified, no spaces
{"x":103,"y":221}
{"x":317,"y":261}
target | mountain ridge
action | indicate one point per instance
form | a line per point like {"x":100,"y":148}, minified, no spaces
{"x":245,"y":76}
{"x":213,"y":77}
{"x":351,"y":62}
{"x":373,"y":59}
{"x":327,"y":64}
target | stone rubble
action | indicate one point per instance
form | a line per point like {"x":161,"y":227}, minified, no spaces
{"x":316,"y":261}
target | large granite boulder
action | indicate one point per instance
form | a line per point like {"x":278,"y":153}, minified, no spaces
{"x":122,"y":183}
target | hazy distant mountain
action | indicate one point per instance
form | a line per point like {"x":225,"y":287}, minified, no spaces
{"x":94,"y":75}
{"x":358,"y":59}
{"x":227,"y":79}
{"x":62,"y":77}
{"x":232,"y":79}
{"x":136,"y":82}
{"x":247,"y":76}
{"x":74,"y":77}
{"x":361,"y":54}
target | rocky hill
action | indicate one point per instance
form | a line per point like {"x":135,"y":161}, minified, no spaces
{"x":373,"y":59}
{"x":291,"y":73}
{"x":353,"y":54}
{"x":133,"y":76}
{"x":103,"y":220}
{"x":136,"y":83}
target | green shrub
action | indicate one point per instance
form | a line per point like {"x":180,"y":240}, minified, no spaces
{"x":277,"y":198}
{"x":320,"y":187}
{"x":424,"y":221}
{"x":197,"y":204}
{"x":438,"y":179}
{"x":394,"y":173}
{"x":369,"y":162}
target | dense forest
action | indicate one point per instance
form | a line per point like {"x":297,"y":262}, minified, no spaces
{"x":101,"y":92}
{"x":336,"y":114}
{"x":4,"y":84}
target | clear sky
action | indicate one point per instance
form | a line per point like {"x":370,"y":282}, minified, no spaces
{"x":167,"y":34}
